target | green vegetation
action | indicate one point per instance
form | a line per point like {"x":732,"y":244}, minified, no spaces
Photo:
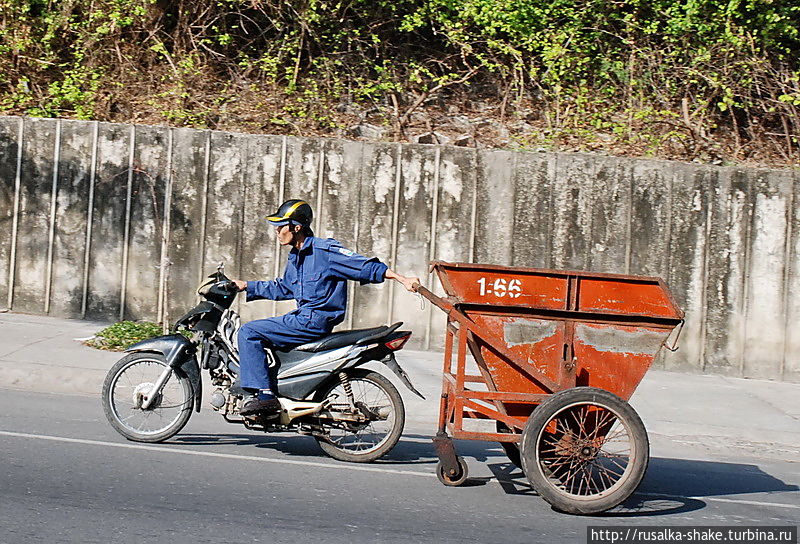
{"x":121,"y":335}
{"x":691,"y":79}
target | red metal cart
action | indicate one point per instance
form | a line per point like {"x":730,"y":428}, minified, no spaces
{"x":559,"y":355}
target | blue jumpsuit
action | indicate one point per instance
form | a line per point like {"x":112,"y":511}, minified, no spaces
{"x":316,"y":277}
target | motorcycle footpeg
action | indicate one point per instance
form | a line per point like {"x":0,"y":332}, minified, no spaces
{"x":262,"y":418}
{"x":236,"y":389}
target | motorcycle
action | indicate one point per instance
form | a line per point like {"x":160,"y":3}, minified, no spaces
{"x":355,"y":414}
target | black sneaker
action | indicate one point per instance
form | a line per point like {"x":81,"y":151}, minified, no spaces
{"x":261,"y":407}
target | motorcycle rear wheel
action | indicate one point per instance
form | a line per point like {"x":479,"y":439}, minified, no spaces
{"x":363,"y":443}
{"x":126,"y":382}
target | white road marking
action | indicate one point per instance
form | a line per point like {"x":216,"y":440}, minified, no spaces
{"x":163,"y":449}
{"x":359,"y":468}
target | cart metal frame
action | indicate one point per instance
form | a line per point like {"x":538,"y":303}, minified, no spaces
{"x":570,"y":302}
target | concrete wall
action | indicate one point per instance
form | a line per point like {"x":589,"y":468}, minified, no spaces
{"x":116,"y":221}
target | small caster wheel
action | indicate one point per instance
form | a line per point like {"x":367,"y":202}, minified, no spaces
{"x":449,"y":479}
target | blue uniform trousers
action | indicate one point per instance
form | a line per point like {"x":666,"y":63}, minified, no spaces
{"x":281,"y":332}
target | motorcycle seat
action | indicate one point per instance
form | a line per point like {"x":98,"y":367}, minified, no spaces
{"x":340,"y":339}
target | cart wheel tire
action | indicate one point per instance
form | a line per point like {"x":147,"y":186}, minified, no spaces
{"x":584,"y":450}
{"x":453,"y":480}
{"x":511,"y":449}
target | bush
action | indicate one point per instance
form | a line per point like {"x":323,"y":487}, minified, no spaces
{"x":686,"y":77}
{"x":121,"y":335}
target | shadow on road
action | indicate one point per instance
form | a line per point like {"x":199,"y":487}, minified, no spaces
{"x":412,"y":448}
{"x":670,"y":486}
{"x":690,"y":478}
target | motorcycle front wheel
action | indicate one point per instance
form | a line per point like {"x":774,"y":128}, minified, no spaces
{"x":126,"y":386}
{"x":375,"y":397}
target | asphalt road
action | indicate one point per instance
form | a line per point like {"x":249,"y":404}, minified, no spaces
{"x":68,"y":477}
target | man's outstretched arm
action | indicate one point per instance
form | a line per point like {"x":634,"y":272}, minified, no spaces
{"x":271,"y":290}
{"x":352,"y":266}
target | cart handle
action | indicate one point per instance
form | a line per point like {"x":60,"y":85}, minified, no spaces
{"x":437,"y":301}
{"x":674,"y":346}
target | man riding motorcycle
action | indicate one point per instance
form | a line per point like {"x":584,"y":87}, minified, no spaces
{"x":316,"y":276}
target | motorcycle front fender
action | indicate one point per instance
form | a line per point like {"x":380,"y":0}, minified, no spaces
{"x":179,"y":354}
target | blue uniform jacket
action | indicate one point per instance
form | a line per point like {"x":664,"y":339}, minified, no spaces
{"x":316,"y":277}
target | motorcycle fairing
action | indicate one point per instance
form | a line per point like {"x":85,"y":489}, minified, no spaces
{"x":202,"y":317}
{"x":301,"y":373}
{"x":294,"y":363}
{"x":299,"y":363}
{"x":340,"y":339}
{"x":300,"y":387}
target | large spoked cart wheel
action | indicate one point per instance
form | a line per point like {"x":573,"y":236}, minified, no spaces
{"x":585,"y":450}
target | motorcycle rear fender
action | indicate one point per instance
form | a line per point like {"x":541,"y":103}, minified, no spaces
{"x":179,"y":354}
{"x":395,"y":367}
{"x":390,"y":361}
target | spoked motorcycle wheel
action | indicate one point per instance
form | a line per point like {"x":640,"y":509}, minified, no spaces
{"x":126,"y":385}
{"x":362,"y":442}
{"x":584,"y":450}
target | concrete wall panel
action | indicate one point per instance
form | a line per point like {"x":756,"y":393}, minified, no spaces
{"x":687,"y":264}
{"x":534,"y":182}
{"x":337,"y":204}
{"x":9,"y":137}
{"x":418,"y":183}
{"x":610,"y":216}
{"x":149,"y":182}
{"x":257,"y":256}
{"x":765,"y":322}
{"x":494,"y":227}
{"x":108,"y":221}
{"x":454,"y":227}
{"x":791,"y":355}
{"x":456,"y":199}
{"x":70,"y":226}
{"x":338,"y":198}
{"x":34,"y":215}
{"x":375,"y":216}
{"x":227,"y":191}
{"x":650,"y":218}
{"x":728,"y":232}
{"x":572,"y":210}
{"x":301,"y":181}
{"x":188,"y":175}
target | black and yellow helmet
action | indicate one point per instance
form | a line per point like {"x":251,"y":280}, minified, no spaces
{"x":292,"y":211}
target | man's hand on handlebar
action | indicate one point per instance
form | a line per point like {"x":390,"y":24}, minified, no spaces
{"x":240,"y":284}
